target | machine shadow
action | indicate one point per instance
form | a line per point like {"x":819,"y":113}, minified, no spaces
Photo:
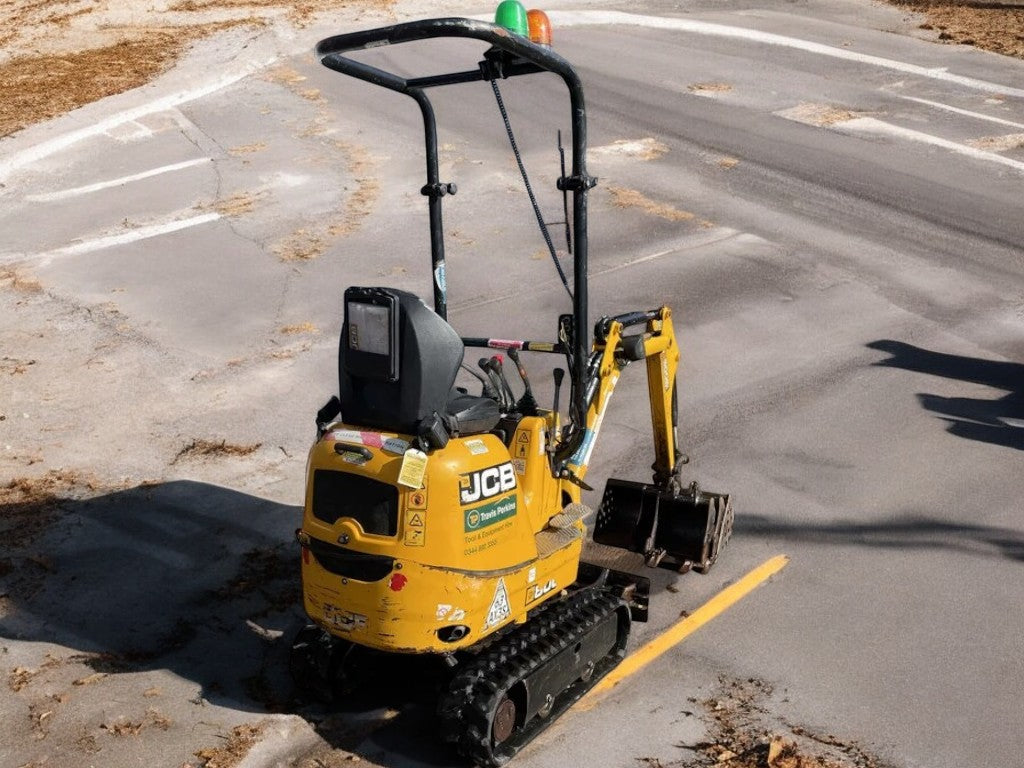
{"x":183,"y":575}
{"x":903,"y":533}
{"x":999,"y":422}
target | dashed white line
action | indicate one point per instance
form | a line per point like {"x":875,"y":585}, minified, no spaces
{"x":965,"y":112}
{"x":870,"y":125}
{"x":130,"y":236}
{"x":64,"y":194}
{"x":613,"y":18}
{"x":717,"y":235}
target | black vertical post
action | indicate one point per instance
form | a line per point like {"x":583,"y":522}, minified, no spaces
{"x":434,"y":192}
{"x":580,"y":184}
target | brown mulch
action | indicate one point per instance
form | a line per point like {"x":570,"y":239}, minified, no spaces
{"x":60,"y":55}
{"x":992,"y":25}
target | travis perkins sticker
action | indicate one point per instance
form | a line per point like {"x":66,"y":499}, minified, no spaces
{"x":486,"y":483}
{"x":488,"y":514}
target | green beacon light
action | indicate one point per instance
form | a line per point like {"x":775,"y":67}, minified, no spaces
{"x":512,"y":16}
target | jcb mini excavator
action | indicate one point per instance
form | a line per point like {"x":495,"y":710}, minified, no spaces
{"x":444,"y":523}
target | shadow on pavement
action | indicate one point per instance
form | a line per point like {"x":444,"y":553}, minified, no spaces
{"x":203,"y":581}
{"x":181,"y":575}
{"x":999,"y":422}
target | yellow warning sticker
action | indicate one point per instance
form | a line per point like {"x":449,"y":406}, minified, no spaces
{"x":414,"y":467}
{"x":416,"y":521}
{"x":415,"y":537}
{"x":418,"y":500}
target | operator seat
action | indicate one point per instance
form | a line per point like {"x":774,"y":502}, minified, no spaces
{"x":397,"y":363}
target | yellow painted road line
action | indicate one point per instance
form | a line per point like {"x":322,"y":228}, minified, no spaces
{"x":678,"y":632}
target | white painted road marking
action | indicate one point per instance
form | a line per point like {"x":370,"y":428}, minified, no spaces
{"x":616,"y":18}
{"x":965,"y":112}
{"x":121,"y":238}
{"x":870,"y":125}
{"x":100,"y":185}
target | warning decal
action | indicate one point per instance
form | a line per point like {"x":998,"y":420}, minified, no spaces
{"x":500,"y":608}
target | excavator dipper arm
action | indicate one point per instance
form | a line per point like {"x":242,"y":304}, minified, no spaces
{"x":672,"y":526}
{"x":614,"y":349}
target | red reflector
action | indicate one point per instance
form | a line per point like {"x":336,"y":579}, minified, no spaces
{"x":305,"y":555}
{"x":398,"y":581}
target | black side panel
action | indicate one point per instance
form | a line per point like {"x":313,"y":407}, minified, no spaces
{"x":371,"y":503}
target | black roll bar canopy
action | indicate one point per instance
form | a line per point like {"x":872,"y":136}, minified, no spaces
{"x":510,"y":55}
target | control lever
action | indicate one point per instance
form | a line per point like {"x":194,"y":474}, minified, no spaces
{"x":495,"y":381}
{"x":559,"y":374}
{"x":495,"y":364}
{"x":527,"y":403}
{"x":488,"y":387}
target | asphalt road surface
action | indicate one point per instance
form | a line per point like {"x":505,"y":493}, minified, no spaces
{"x":831,"y":207}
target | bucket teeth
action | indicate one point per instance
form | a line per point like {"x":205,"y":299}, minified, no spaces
{"x":720,"y":511}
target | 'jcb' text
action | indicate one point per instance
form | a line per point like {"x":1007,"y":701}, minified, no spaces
{"x":485,"y":483}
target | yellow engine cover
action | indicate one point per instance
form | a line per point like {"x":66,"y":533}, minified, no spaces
{"x":437,"y":567}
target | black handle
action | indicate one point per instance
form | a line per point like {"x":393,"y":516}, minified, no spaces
{"x":359,"y":450}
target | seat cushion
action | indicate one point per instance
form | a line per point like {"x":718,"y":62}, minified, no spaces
{"x":469,"y":414}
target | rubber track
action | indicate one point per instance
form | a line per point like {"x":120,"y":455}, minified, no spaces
{"x":466,"y":709}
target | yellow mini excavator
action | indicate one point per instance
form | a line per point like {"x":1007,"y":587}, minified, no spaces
{"x":448,"y":524}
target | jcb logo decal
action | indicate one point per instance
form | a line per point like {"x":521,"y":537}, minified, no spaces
{"x":486,"y":483}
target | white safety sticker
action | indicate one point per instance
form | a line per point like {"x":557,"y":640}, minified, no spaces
{"x":476,"y":446}
{"x":447,"y":612}
{"x":500,"y":608}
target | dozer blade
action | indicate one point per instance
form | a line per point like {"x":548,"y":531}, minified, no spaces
{"x":670,"y":529}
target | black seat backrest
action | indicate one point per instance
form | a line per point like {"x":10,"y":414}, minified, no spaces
{"x":397,"y":360}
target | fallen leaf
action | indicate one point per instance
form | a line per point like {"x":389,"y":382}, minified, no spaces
{"x":95,"y":677}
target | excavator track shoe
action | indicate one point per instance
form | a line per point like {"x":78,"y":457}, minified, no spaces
{"x":503,"y":698}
